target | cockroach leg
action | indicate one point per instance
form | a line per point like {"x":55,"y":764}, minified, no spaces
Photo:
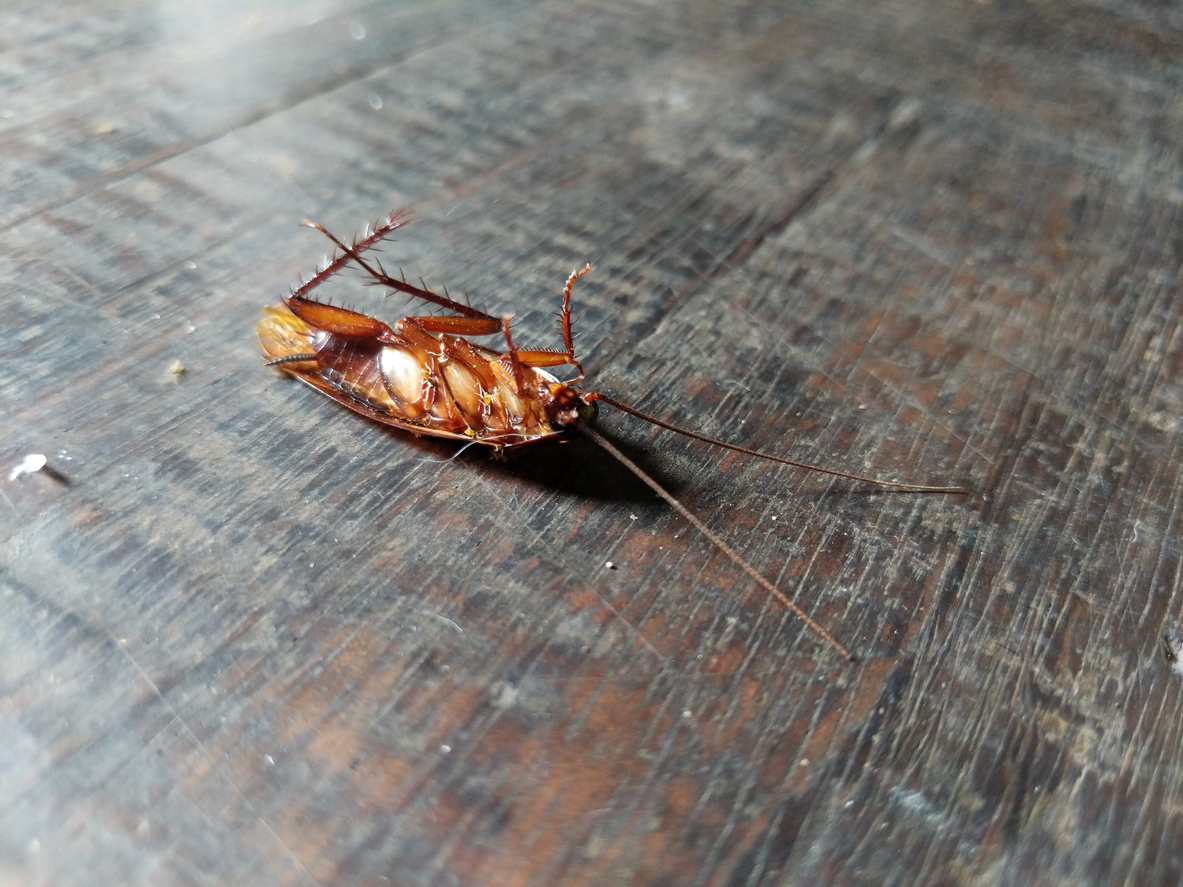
{"x":514,"y":359}
{"x":565,"y":322}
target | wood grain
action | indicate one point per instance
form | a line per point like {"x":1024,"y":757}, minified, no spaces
{"x":250,"y":638}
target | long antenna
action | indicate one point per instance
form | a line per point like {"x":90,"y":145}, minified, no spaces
{"x":632,"y":411}
{"x":620,"y":457}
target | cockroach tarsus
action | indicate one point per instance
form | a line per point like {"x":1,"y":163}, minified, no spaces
{"x":424,"y":375}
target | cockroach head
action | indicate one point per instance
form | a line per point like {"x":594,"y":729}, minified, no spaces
{"x":566,"y":408}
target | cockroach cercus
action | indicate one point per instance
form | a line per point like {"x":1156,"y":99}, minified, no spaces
{"x":423,"y":374}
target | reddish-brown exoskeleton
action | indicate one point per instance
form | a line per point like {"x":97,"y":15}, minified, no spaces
{"x":424,"y":375}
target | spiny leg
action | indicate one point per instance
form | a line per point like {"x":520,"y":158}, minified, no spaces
{"x":514,"y":358}
{"x":381,"y":231}
{"x":379,"y":274}
{"x":565,"y":320}
{"x":483,"y":323}
{"x":551,"y":357}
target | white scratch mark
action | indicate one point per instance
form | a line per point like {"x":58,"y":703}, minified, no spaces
{"x":446,"y":620}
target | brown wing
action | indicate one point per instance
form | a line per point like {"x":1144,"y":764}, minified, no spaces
{"x":357,"y":373}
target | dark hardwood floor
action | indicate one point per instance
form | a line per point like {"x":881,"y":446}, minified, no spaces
{"x":250,"y":638}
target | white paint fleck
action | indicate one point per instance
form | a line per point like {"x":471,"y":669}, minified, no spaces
{"x":915,"y":802}
{"x":31,"y":464}
{"x":1163,"y":421}
{"x":506,"y":695}
{"x":904,"y":114}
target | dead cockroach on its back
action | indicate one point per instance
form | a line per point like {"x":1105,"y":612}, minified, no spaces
{"x":423,"y":374}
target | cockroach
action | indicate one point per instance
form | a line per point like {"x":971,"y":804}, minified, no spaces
{"x":424,"y":375}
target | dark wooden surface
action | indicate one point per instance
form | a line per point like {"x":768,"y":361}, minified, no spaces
{"x":254,"y":639}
